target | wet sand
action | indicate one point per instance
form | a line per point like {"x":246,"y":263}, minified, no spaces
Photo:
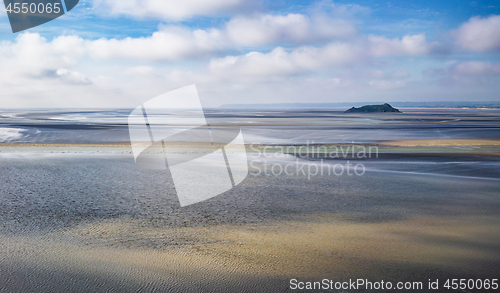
{"x":78,"y":215}
{"x":89,"y":222}
{"x":255,"y":258}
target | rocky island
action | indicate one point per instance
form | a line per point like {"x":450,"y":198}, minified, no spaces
{"x":373,"y":109}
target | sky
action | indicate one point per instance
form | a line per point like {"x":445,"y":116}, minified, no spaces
{"x":121,"y":53}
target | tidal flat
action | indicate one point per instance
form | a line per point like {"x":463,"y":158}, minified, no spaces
{"x":81,"y":216}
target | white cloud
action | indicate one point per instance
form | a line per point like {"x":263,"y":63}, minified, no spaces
{"x":180,"y":42}
{"x":171,"y":9}
{"x":31,"y":54}
{"x":68,"y":62}
{"x":281,"y":62}
{"x":313,"y":54}
{"x":39,"y":73}
{"x":308,"y":58}
{"x":169,"y":43}
{"x":177,"y":42}
{"x":292,"y":28}
{"x":412,"y":45}
{"x":479,"y":34}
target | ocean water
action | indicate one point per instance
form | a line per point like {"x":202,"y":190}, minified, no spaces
{"x":266,"y":127}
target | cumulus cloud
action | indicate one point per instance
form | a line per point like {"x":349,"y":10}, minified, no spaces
{"x":32,"y":54}
{"x":171,"y":9}
{"x":169,"y":43}
{"x":309,"y":58}
{"x":479,"y":34}
{"x":292,"y":28}
{"x":290,"y":53}
{"x":63,"y":60}
{"x":281,"y":62}
{"x":177,"y":42}
{"x":412,"y":45}
{"x":40,"y":73}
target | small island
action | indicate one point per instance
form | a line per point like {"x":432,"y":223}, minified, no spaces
{"x":373,"y":109}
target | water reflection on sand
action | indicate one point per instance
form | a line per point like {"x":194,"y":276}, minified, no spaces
{"x":98,"y":222}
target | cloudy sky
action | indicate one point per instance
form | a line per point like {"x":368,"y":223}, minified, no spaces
{"x":120,"y":53}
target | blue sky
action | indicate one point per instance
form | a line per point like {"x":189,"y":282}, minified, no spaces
{"x":116,"y":53}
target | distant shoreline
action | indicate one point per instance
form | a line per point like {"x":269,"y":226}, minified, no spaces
{"x":424,"y":105}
